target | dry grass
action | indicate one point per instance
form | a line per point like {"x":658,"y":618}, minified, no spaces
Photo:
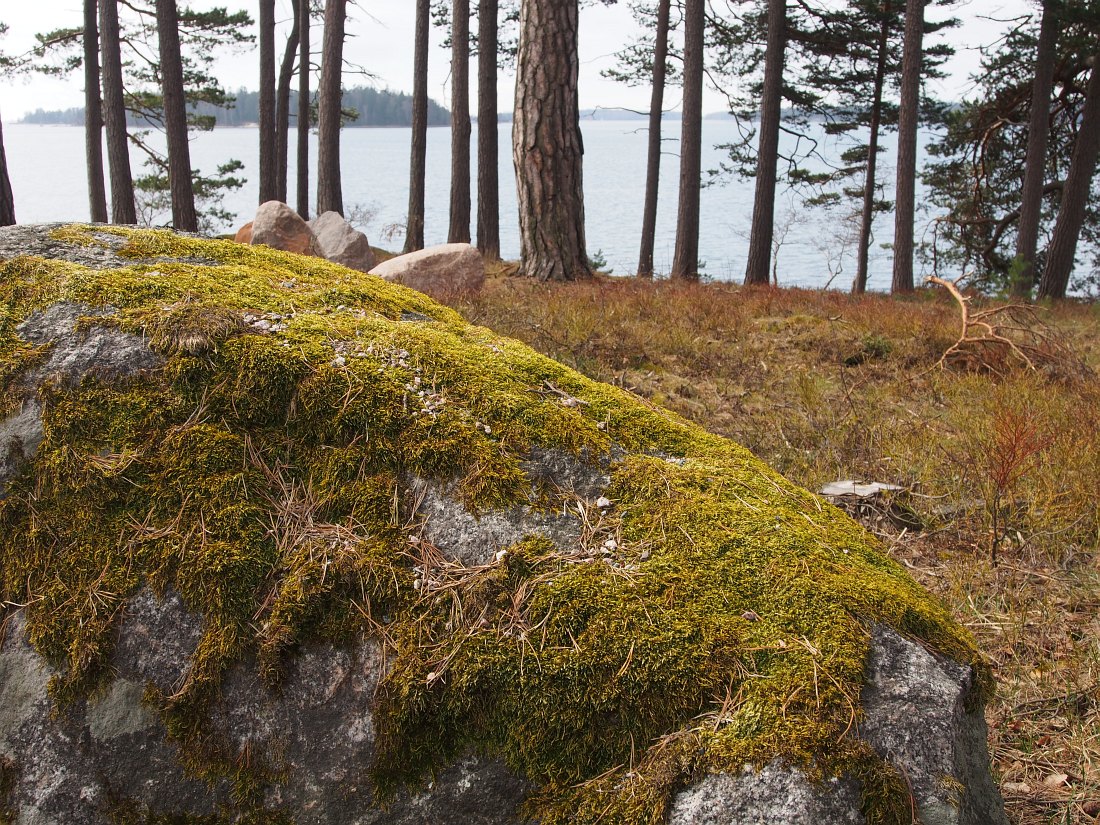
{"x":1002,"y":459}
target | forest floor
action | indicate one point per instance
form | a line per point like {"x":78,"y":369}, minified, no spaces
{"x":996,"y":451}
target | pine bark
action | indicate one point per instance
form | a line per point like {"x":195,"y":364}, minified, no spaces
{"x":93,"y":116}
{"x":685,"y":258}
{"x":488,"y":150}
{"x":184,"y":218}
{"x":302,"y":8}
{"x":459,"y":228}
{"x":653,"y":159}
{"x":414,"y":226}
{"x":547,"y":149}
{"x":267,"y":100}
{"x":282,"y":111}
{"x":757,"y":270}
{"x":1075,"y":195}
{"x":908,"y":115}
{"x":867,"y":217}
{"x":7,"y":199}
{"x":330,"y":197}
{"x":123,"y":208}
{"x":1031,"y":197}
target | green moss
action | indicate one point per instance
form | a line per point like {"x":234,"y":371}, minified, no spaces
{"x":716,"y":615}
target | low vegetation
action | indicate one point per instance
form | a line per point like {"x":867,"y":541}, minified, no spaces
{"x":998,"y":458}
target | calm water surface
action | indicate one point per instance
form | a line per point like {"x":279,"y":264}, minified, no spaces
{"x":46,"y":164}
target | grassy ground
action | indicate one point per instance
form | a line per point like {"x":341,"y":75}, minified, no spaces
{"x":996,"y":458}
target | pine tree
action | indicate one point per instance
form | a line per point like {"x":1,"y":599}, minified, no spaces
{"x":1075,"y":194}
{"x":302,"y":9}
{"x":93,"y":116}
{"x":653,"y":150}
{"x":282,"y":109}
{"x":685,"y":259}
{"x":330,"y":196}
{"x":459,"y":228}
{"x":979,"y":176}
{"x":184,"y":218}
{"x":763,"y":211}
{"x":488,"y":184}
{"x":908,"y":116}
{"x":414,"y":227}
{"x":546,"y":143}
{"x":123,"y":209}
{"x":1031,"y":196}
{"x":266,"y":18}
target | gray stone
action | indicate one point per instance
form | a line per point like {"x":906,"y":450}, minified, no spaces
{"x":342,"y":243}
{"x":318,"y":722}
{"x":776,"y":795}
{"x":915,"y":713}
{"x":69,"y":766}
{"x":438,"y":270}
{"x":36,"y":240}
{"x":20,"y":435}
{"x":99,"y":350}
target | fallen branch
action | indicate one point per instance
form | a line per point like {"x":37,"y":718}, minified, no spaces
{"x":996,"y":338}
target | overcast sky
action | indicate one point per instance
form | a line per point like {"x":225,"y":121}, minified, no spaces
{"x":380,"y":39}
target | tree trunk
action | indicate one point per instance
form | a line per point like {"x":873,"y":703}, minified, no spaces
{"x":282,"y":111}
{"x":1071,"y":214}
{"x":123,"y":209}
{"x":414,"y":226}
{"x":267,"y":100}
{"x":547,"y":148}
{"x":767,"y":154}
{"x":653,"y":161}
{"x":459,"y":229}
{"x":93,"y":116}
{"x":685,"y":258}
{"x":330,"y":197}
{"x":302,"y":8}
{"x":488,"y":158}
{"x":1031,"y":198}
{"x":184,"y":218}
{"x":908,"y":113}
{"x":7,"y":200}
{"x":867,"y":217}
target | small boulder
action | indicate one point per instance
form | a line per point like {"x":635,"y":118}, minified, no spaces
{"x":244,"y":234}
{"x":342,"y":243}
{"x":278,"y":226}
{"x":447,"y":268}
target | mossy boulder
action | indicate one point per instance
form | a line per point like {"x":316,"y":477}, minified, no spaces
{"x":284,"y":542}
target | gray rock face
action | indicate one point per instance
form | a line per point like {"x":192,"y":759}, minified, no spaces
{"x":72,"y":354}
{"x":915,"y":714}
{"x":320,"y":725}
{"x":36,"y":240}
{"x":448,"y":268}
{"x":342,"y":243}
{"x":76,"y":768}
{"x":776,"y":794}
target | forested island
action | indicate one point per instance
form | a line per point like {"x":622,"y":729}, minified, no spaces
{"x":363,"y":106}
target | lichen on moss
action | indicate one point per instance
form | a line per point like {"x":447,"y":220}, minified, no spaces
{"x":715,"y":615}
